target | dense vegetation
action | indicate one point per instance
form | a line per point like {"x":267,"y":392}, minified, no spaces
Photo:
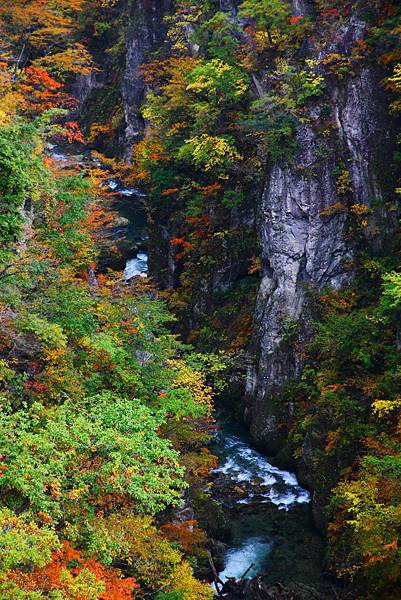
{"x":207,"y":144}
{"x":103,"y":420}
{"x":105,"y":415}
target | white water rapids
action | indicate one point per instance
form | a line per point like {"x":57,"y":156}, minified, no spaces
{"x":259,"y":483}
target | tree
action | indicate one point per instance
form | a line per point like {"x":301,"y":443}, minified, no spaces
{"x":44,"y":32}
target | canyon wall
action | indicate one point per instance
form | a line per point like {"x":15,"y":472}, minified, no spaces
{"x":304,"y":227}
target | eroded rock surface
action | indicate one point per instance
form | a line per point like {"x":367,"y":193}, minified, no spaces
{"x":303,"y":230}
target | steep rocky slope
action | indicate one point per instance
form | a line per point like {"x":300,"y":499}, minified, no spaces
{"x":312,"y":189}
{"x":304,"y":225}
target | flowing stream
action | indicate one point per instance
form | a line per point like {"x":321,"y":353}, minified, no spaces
{"x":127,"y":202}
{"x":266,"y":507}
{"x":259,"y":499}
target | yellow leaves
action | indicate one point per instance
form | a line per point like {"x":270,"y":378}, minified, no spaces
{"x":212,"y":153}
{"x":55,"y":489}
{"x":384,"y":408}
{"x":333,"y":209}
{"x":53,"y":355}
{"x":359,"y":209}
{"x":97,"y":130}
{"x":9,"y":98}
{"x":194,"y":381}
{"x":75,"y":59}
{"x":255,"y":265}
{"x":6,"y":374}
{"x":361,"y":212}
{"x":76,"y":493}
{"x":217,"y":69}
{"x":394,"y":82}
{"x":49,"y":27}
{"x":344,"y":182}
{"x":191,"y":589}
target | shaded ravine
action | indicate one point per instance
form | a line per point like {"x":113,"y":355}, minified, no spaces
{"x":270,"y":524}
{"x":129,"y":232}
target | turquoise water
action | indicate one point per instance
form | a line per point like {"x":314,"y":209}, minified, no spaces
{"x":262,"y":510}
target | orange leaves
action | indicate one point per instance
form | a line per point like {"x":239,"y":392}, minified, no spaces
{"x":42,"y":92}
{"x":129,"y":328}
{"x":393,"y":546}
{"x":338,"y":301}
{"x":186,"y":533}
{"x":89,"y":576}
{"x":211,"y":190}
{"x":296,"y":20}
{"x":333,"y":388}
{"x":333,"y":438}
{"x":73,"y":133}
{"x":180,"y":242}
{"x":39,"y":77}
{"x":172,"y":70}
{"x":170,"y":191}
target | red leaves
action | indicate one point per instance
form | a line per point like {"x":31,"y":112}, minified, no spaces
{"x":335,"y":13}
{"x":296,"y":20}
{"x":73,"y":133}
{"x":180,"y":242}
{"x":331,"y":12}
{"x":67,"y":559}
{"x":185,"y":245}
{"x":36,"y":387}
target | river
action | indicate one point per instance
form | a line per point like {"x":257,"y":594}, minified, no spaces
{"x":270,"y":525}
{"x":268,"y":511}
{"x":254,"y":482}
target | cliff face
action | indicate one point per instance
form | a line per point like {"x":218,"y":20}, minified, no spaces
{"x":145,"y":32}
{"x":304,"y":228}
{"x":304,"y":212}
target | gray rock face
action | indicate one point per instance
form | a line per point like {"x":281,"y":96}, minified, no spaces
{"x":82,"y":88}
{"x":229,"y":6}
{"x":300,"y":7}
{"x":304,"y":243}
{"x":146,"y":32}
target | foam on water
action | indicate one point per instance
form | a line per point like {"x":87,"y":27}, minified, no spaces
{"x":261,"y":483}
{"x":245,"y":464}
{"x":136,"y":266}
{"x":253,"y":551}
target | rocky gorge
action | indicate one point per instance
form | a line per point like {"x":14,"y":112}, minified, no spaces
{"x":303,"y":212}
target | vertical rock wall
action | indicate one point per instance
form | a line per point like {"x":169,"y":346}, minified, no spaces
{"x":304,"y":237}
{"x":145,"y":33}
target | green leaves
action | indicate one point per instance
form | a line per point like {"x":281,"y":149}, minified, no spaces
{"x":88,"y":451}
{"x":22,"y":177}
{"x":23,"y":543}
{"x":392,"y":289}
{"x":218,"y":82}
{"x":211,"y":153}
{"x":268,"y":14}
